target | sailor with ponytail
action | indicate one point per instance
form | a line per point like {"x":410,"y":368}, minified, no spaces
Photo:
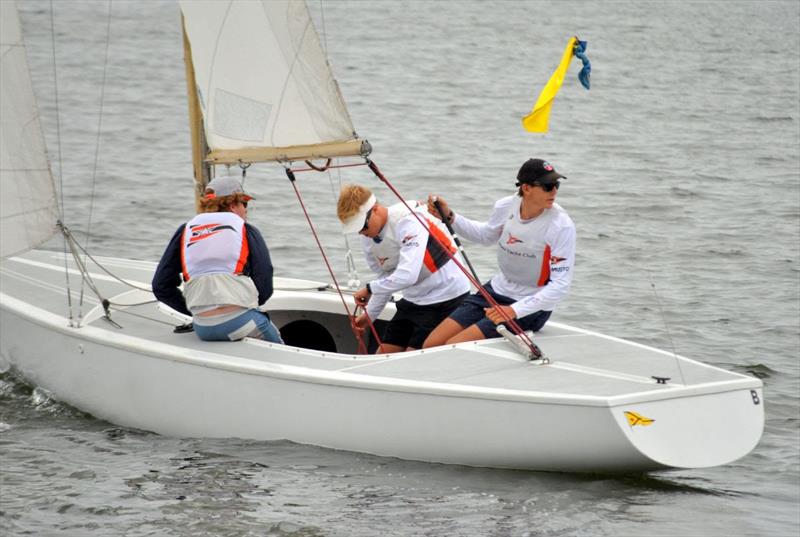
{"x":224,"y":265}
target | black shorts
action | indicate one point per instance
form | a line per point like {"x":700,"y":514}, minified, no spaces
{"x":412,"y":323}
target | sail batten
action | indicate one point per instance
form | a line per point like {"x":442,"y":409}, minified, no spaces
{"x":28,"y":207}
{"x":263,"y":80}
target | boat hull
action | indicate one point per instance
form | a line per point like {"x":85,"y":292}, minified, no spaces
{"x":188,"y":393}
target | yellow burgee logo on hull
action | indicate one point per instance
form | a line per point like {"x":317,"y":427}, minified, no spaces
{"x":635,"y":419}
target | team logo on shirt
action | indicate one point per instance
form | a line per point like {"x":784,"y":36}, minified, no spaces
{"x":205,"y":231}
{"x":555,"y":260}
{"x":513,"y":240}
{"x":408,"y":240}
{"x":382,"y":260}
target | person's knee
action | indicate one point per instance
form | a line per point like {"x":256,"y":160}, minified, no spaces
{"x":267,"y":331}
{"x":389,"y":348}
{"x":471,"y":333}
{"x":439,"y":336}
{"x":432,"y":340}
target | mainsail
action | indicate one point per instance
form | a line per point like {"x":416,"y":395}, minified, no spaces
{"x":265,"y":88}
{"x":28,"y":209}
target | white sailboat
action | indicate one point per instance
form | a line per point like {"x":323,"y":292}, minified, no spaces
{"x":596,"y":404}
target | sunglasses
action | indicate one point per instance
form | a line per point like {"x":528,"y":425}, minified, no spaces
{"x":549,"y":186}
{"x":366,"y":220}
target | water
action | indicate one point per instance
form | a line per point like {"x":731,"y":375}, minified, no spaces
{"x":684,"y":182}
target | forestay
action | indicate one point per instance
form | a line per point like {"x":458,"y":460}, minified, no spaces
{"x":263,"y":80}
{"x":28,"y":210}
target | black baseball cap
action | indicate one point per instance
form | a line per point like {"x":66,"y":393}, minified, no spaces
{"x":536,"y":170}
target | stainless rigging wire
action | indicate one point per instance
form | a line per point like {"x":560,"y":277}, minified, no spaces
{"x":60,"y":160}
{"x":353,"y":280}
{"x":97,"y":144}
{"x":666,"y":326}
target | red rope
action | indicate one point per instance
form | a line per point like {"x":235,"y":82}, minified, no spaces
{"x":372,"y":329}
{"x":353,"y":327}
{"x":489,"y":298}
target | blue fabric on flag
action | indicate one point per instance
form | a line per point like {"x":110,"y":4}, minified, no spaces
{"x":580,"y":52}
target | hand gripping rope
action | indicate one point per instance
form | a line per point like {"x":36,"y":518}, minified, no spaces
{"x":362,"y":346}
{"x":448,"y":224}
{"x":535,"y":350}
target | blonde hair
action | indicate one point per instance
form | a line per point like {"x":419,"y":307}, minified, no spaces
{"x":351,"y":198}
{"x":221,"y":204}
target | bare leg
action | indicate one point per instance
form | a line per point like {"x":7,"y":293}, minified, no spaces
{"x":471,"y":333}
{"x":388,"y":348}
{"x":446,"y":329}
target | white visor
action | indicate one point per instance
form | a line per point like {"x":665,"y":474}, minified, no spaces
{"x":355,"y":223}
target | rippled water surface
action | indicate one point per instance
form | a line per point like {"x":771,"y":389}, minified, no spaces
{"x":684,"y":183}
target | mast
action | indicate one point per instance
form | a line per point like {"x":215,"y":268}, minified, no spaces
{"x":202,"y":171}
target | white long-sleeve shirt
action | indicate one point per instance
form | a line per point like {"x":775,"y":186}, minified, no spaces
{"x":535,"y":257}
{"x":399,"y":260}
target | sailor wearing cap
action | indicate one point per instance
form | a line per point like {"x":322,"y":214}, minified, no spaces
{"x":225,"y":266}
{"x":407,"y":258}
{"x":535,"y":241}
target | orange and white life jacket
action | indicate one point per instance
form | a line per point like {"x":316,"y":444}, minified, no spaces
{"x":214,"y":243}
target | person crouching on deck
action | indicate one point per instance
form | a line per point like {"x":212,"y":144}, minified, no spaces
{"x":406,"y":257}
{"x":226,"y":268}
{"x":535,"y":252}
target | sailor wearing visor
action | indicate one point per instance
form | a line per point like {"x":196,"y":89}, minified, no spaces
{"x":406,"y":257}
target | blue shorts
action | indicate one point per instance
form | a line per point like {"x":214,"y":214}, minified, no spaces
{"x":471,"y":311}
{"x":251,"y":323}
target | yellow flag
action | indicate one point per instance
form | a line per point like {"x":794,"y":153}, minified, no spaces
{"x":539,"y":118}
